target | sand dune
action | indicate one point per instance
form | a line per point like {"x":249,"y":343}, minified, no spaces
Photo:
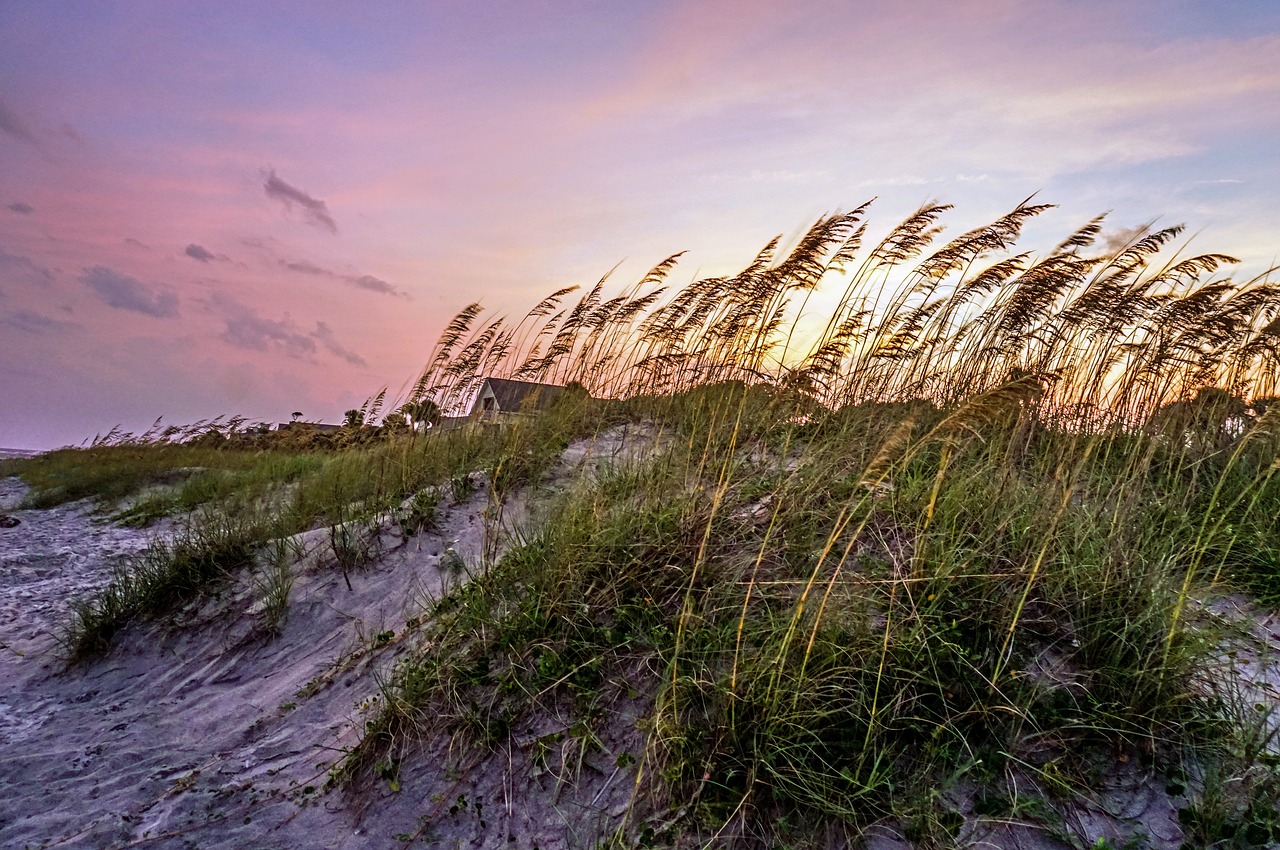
{"x":206,"y":731}
{"x":211,"y":734}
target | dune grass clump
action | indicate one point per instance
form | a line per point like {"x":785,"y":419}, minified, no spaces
{"x":163,"y":577}
{"x":140,"y":479}
{"x":831,"y":621}
{"x":955,"y":532}
{"x":273,"y":583}
{"x":238,"y":479}
{"x":113,"y":472}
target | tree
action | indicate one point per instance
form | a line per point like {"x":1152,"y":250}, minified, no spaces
{"x":395,"y":423}
{"x":354,"y":419}
{"x":295,"y":416}
{"x":424,"y":411}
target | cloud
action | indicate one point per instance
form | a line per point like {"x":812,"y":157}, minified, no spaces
{"x":314,"y":209}
{"x":898,"y":181}
{"x":1121,"y":238}
{"x":362,"y":281}
{"x":248,"y":329}
{"x":13,"y":125}
{"x":21,"y":208}
{"x":31,"y":322}
{"x":127,"y":293}
{"x":129,"y":240}
{"x":199,"y":252}
{"x":373,"y":284}
{"x":17,"y":268}
{"x":325,"y":334}
{"x":306,"y":267}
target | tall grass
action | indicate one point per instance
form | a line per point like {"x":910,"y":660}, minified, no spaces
{"x":950,"y":534}
{"x":1112,"y":335}
{"x":832,"y":620}
{"x":952,"y":531}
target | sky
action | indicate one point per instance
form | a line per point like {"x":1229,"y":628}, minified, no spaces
{"x":248,"y":208}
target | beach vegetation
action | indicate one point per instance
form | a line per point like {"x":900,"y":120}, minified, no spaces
{"x":963,"y":527}
{"x":169,"y":573}
{"x":967,"y":538}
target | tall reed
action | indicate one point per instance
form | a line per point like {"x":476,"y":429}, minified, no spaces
{"x":947,"y":530}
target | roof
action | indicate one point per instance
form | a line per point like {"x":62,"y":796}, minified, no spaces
{"x":512,"y":395}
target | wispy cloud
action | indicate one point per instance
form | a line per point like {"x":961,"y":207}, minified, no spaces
{"x":246,"y":328}
{"x":13,"y":125}
{"x":15,"y":268}
{"x":201,"y":253}
{"x":361,"y":281}
{"x":21,"y":208}
{"x":325,"y":334}
{"x":899,"y":180}
{"x":29,"y":321}
{"x":306,"y":267}
{"x":373,"y":284}
{"x":1119,"y":239}
{"x":127,"y":293}
{"x":314,"y":210}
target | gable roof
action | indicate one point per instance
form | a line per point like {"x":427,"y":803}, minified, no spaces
{"x":512,"y":395}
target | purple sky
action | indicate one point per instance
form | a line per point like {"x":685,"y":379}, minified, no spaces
{"x":259,"y":208}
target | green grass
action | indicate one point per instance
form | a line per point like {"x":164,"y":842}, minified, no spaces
{"x":163,"y":577}
{"x":240,"y":502}
{"x":113,"y":472}
{"x":976,"y":523}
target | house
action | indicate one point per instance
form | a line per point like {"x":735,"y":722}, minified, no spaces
{"x":450,"y":423}
{"x":501,"y":399}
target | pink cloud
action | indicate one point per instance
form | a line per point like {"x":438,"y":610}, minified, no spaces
{"x":314,"y":210}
